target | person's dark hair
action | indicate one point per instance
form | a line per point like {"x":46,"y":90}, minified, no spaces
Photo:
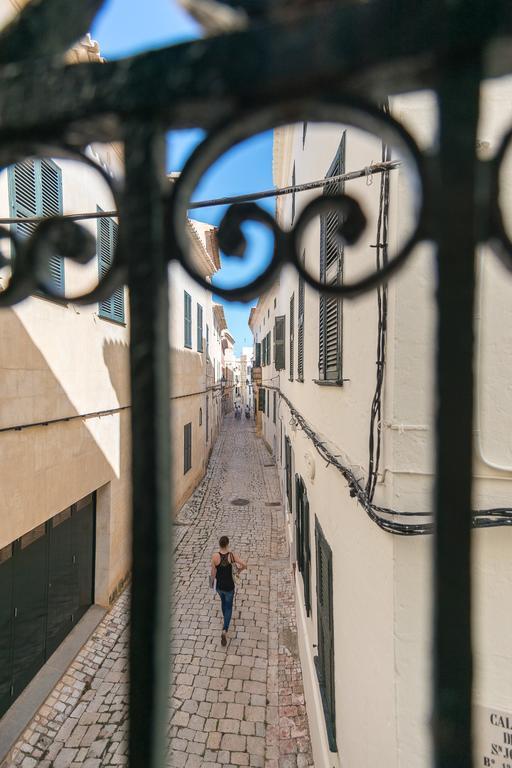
{"x":223,"y":541}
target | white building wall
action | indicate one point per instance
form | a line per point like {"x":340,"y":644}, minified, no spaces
{"x":382,"y":583}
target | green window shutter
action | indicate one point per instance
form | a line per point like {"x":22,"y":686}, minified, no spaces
{"x":300,"y":328}
{"x":187,"y":319}
{"x":22,"y":195}
{"x":292,"y":331}
{"x":107,"y":238}
{"x":298,"y":523}
{"x":187,"y":447}
{"x":269,"y":347}
{"x":35,"y":189}
{"x":288,"y":464}
{"x":261,"y":399}
{"x":257,"y":355}
{"x":199,"y":328}
{"x":325,"y":660}
{"x":49,"y":181}
{"x":274,"y":407}
{"x":306,"y":575}
{"x":279,"y":342}
{"x":207,"y":339}
{"x":331,"y":273}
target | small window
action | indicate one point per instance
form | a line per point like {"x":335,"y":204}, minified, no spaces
{"x":261,"y":399}
{"x":279,"y":342}
{"x":187,"y":447}
{"x":200,"y":417}
{"x":187,"y":312}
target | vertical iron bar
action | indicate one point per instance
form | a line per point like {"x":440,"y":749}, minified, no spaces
{"x":458,"y":102}
{"x":149,"y":355}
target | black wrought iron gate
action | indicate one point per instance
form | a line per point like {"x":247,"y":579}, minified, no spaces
{"x":369,"y":49}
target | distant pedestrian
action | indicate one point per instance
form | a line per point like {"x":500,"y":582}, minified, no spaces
{"x":222,"y":571}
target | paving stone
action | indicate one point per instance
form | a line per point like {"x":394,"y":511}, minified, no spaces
{"x":225,"y":703}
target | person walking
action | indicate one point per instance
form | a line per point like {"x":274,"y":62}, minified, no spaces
{"x":222,"y":572}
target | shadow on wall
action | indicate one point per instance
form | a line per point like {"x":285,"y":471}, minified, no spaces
{"x":44,"y":469}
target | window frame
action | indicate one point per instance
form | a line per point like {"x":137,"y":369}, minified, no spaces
{"x":112,"y":308}
{"x":325,"y":615}
{"x":199,"y":328}
{"x":187,"y":447}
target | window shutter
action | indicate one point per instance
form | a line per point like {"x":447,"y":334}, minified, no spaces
{"x":51,"y":205}
{"x":293,"y":194}
{"x":207,"y":339}
{"x":187,"y":447}
{"x":331,"y":273}
{"x":22,"y":193}
{"x":300,"y":328}
{"x":288,"y":462}
{"x":187,"y":300}
{"x":298,"y":522}
{"x":261,"y":399}
{"x":274,"y":407}
{"x":199,"y":328}
{"x":279,"y":342}
{"x":257,"y":355}
{"x":292,"y":330}
{"x":35,"y":189}
{"x":325,"y":660}
{"x":107,"y":238}
{"x":306,"y":553}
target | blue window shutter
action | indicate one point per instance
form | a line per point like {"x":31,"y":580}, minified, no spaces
{"x":49,"y":190}
{"x":107,"y":229}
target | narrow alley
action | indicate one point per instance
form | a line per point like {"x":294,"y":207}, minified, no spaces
{"x":233,"y":706}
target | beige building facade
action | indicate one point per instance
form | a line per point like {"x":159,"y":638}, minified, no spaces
{"x":363,"y":592}
{"x":65,"y":412}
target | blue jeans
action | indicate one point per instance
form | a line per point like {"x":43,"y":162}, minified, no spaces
{"x":226,"y":601}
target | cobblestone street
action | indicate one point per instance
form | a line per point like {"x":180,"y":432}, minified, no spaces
{"x":233,"y":706}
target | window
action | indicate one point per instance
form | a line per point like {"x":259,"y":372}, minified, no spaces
{"x":324,"y":662}
{"x":302,"y":539}
{"x":207,"y":340}
{"x":113,"y":307}
{"x":331,"y":273}
{"x":207,"y":424}
{"x":188,"y":320}
{"x":261,"y":399}
{"x":279,"y":342}
{"x":268,"y":347}
{"x":257,"y":355}
{"x":304,"y":132}
{"x":274,"y":407}
{"x":288,"y":457}
{"x":292,"y":329}
{"x":199,"y":328}
{"x":268,"y":406}
{"x":187,"y":447}
{"x":35,"y":189}
{"x":200,"y":417}
{"x":293,"y":193}
{"x":300,"y":326}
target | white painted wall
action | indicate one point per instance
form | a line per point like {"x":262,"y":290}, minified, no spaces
{"x":382,"y":611}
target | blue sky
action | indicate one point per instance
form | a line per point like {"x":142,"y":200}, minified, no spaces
{"x":128,"y":26}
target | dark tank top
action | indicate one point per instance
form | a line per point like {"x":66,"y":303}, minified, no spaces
{"x":225,"y":573}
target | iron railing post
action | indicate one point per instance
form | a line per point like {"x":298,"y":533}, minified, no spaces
{"x":458,"y":102}
{"x":143,"y":245}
